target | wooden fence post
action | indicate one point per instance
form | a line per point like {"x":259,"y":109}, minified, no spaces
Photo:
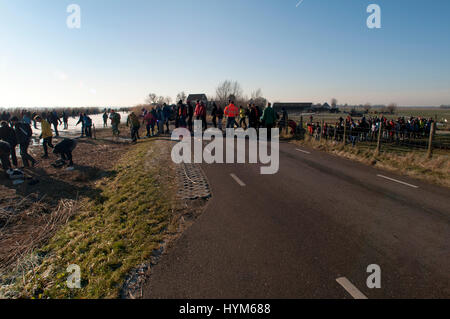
{"x":380,"y":132}
{"x":321,"y":131}
{"x":430,"y":142}
{"x":345,"y":133}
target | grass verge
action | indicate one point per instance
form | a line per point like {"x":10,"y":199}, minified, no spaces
{"x":111,"y":234}
{"x":412,"y":163}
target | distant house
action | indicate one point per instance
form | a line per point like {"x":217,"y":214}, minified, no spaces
{"x":293,"y":107}
{"x":326,"y":106}
{"x":193,"y":98}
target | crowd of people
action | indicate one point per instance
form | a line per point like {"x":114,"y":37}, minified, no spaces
{"x":367,"y":129}
{"x":157,"y":119}
{"x":17,"y":132}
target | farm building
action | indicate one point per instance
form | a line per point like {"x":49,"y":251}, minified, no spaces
{"x":193,"y":98}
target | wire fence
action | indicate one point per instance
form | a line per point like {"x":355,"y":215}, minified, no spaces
{"x":376,"y":135}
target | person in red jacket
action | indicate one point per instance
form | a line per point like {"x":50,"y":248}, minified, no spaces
{"x":150,"y":121}
{"x":200,"y":114}
{"x":231,"y":112}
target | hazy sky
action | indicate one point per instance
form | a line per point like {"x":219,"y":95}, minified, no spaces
{"x":314,"y":52}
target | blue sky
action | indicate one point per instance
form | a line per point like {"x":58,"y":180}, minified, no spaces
{"x":314,"y":52}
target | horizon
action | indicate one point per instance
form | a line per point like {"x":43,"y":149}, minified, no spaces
{"x":293,"y":51}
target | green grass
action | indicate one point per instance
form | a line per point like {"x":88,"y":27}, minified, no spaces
{"x":392,"y":158}
{"x":110,"y":236}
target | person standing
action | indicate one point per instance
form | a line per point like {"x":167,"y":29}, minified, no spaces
{"x":243,"y":117}
{"x":200,"y":114}
{"x":231,"y":112}
{"x":150,"y":121}
{"x":133,"y":123}
{"x":105,"y":119}
{"x":160,"y":120}
{"x":190,"y":119}
{"x":87,"y":125}
{"x":46,"y":135}
{"x":220,"y":117}
{"x":214,"y":112}
{"x":115,"y":122}
{"x":7,"y":134}
{"x":253,"y":117}
{"x":269,"y":118}
{"x":54,"y":119}
{"x":167,"y":112}
{"x":81,"y":120}
{"x":65,"y":120}
{"x":183,"y":115}
{"x":23,"y":134}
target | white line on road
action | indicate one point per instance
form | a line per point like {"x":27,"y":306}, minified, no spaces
{"x":241,"y":183}
{"x":397,"y":181}
{"x":306,"y":152}
{"x":350,"y":288}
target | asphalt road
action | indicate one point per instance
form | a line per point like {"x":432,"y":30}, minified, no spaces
{"x":294,"y":234}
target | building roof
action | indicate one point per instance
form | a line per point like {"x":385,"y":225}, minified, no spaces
{"x":195,"y":97}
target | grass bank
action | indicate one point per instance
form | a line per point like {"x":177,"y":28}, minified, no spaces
{"x":412,"y":163}
{"x":112,"y":233}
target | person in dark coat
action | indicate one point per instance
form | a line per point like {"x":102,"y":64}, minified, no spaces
{"x":5,"y":150}
{"x":65,"y":149}
{"x":54,"y":119}
{"x":7,"y":134}
{"x":23,"y":134}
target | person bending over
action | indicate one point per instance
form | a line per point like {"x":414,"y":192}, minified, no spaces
{"x":65,"y":149}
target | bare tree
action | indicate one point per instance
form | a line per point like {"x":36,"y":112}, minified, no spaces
{"x":152,"y":98}
{"x":392,"y":108}
{"x":181,"y":96}
{"x":168,"y":100}
{"x":334,"y":103}
{"x":228,"y":90}
{"x":258,"y":99}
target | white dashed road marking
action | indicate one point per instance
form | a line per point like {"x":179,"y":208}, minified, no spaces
{"x":350,"y":288}
{"x":306,"y":152}
{"x":397,"y":181}
{"x":241,"y":183}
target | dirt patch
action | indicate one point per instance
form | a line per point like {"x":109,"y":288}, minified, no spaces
{"x":31,"y":212}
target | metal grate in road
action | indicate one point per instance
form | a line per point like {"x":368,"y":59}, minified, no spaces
{"x":193,"y":183}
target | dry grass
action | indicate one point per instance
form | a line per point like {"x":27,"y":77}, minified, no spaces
{"x":413,"y":163}
{"x":110,"y":234}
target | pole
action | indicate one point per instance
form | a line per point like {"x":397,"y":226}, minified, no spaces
{"x":345,"y":133}
{"x":430,"y":142}
{"x":380,"y":131}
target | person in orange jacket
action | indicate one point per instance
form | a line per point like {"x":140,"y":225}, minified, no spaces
{"x":200,"y":114}
{"x":231,"y":112}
